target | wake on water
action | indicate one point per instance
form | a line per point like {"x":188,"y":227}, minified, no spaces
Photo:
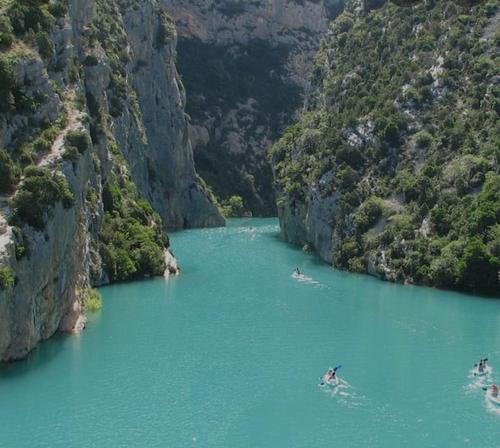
{"x":479,"y":383}
{"x":342,"y":391}
{"x":305,"y":279}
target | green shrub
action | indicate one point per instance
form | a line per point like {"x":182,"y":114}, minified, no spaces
{"x":233,"y":207}
{"x":478,"y":270}
{"x":166,"y":30}
{"x":93,"y":301}
{"x":441,"y":220}
{"x":423,"y":139}
{"x":42,"y":145}
{"x":7,"y":278}
{"x":20,"y":244}
{"x":426,"y":43}
{"x":350,"y":155}
{"x":494,"y":240}
{"x":343,"y":23}
{"x":71,"y":153}
{"x":132,"y":240}
{"x":39,"y":191}
{"x":391,"y":134}
{"x":58,"y":8}
{"x":30,"y":16}
{"x":418,"y":188}
{"x":6,"y":32}
{"x":350,"y":249}
{"x":402,"y":224}
{"x":91,"y":60}
{"x":368,"y":214}
{"x":78,"y":139}
{"x":7,"y":85}
{"x":347,"y":178}
{"x":76,"y":143}
{"x":9,"y":173}
{"x":45,"y":45}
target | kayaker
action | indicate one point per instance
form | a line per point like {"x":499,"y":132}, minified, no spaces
{"x":480,"y":368}
{"x":332,"y":374}
{"x":494,"y":391}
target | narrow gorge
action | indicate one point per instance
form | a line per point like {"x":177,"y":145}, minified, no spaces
{"x":246,"y":68}
{"x":369,"y":127}
{"x":199,"y":196}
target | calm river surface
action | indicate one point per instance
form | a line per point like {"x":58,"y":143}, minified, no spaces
{"x":229,"y":355}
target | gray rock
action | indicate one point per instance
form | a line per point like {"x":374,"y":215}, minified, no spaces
{"x":52,"y":281}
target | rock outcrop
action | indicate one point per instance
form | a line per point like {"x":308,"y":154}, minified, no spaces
{"x":96,"y":104}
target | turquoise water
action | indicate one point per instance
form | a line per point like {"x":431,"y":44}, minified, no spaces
{"x":229,"y":355}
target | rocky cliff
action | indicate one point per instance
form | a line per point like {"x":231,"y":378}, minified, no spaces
{"x":394,"y":166}
{"x":95,"y":160}
{"x":245,"y":66}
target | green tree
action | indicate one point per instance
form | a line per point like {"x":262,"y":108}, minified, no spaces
{"x":45,"y":45}
{"x":6,"y":32}
{"x":7,"y":277}
{"x":9,"y":173}
{"x":233,"y":207}
{"x":39,"y":191}
{"x":478,"y":270}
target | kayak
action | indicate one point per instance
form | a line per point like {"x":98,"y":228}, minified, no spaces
{"x":330,"y":383}
{"x":301,"y":277}
{"x":333,"y":382}
{"x":493,"y":399}
{"x":485,"y":372}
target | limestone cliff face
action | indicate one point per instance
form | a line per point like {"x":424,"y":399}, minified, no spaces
{"x":162,"y":162}
{"x":298,"y":25}
{"x":150,"y":126}
{"x":132,"y":105}
{"x":390,"y":169}
{"x":245,"y":66}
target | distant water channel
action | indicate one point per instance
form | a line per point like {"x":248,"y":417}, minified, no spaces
{"x":229,"y":355}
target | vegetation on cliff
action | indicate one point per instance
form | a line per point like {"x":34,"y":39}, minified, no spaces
{"x":7,"y":278}
{"x":132,"y":238}
{"x":39,"y":191}
{"x":233,"y":207}
{"x":402,"y":127}
{"x":93,"y":300}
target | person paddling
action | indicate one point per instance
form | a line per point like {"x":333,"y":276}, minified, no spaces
{"x":330,"y":377}
{"x":494,"y":391}
{"x":480,"y":367}
{"x":332,"y":374}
